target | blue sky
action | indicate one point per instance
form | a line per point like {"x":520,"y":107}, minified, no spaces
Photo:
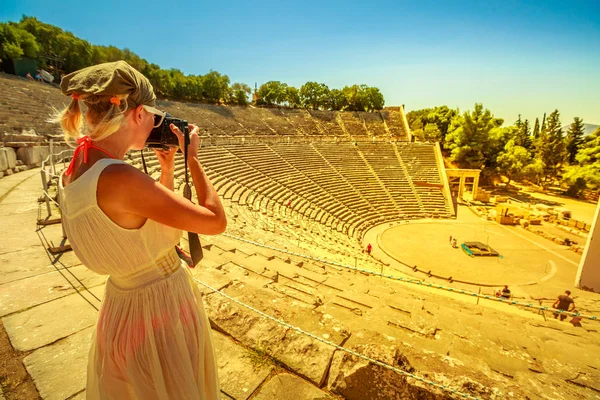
{"x":512,"y":56}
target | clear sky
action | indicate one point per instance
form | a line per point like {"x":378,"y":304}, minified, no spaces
{"x":526,"y":57}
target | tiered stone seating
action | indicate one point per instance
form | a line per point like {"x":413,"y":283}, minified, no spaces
{"x":421,"y":164}
{"x":393,"y":120}
{"x":374,"y":123}
{"x":346,"y":187}
{"x":353,"y":125}
{"x":274,"y":118}
{"x":26,"y":105}
{"x":251,"y":121}
{"x":383,"y":160}
{"x":302,"y":121}
{"x":292,"y":184}
{"x":420,"y":161}
{"x":327,"y":122}
{"x":350,"y":205}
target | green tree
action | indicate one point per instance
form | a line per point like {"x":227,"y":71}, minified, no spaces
{"x":513,"y":160}
{"x":337,"y":100}
{"x":293,"y":96}
{"x":574,"y":139}
{"x":375,"y":100}
{"x":240,"y":93}
{"x":550,"y":146}
{"x":161,"y":80}
{"x":431,"y":133}
{"x":536,"y":128}
{"x":16,"y":42}
{"x":273,"y":92}
{"x":543,"y":126}
{"x":441,"y":116}
{"x":587,"y":173}
{"x":522,"y":134}
{"x":469,"y":138}
{"x":214,"y":86}
{"x":314,"y":95}
{"x":590,"y":150}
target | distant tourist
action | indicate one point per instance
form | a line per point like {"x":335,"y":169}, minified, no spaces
{"x":369,"y":248}
{"x":153,"y":337}
{"x":505,"y":292}
{"x":454,"y":243}
{"x":28,"y":76}
{"x":38,"y":76}
{"x":563,"y":302}
{"x":450,"y":240}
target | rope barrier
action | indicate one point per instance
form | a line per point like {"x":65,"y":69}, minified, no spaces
{"x":50,"y":198}
{"x":422,"y":283}
{"x":354,"y":353}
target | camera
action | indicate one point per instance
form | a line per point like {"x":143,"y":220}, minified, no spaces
{"x":163,"y":138}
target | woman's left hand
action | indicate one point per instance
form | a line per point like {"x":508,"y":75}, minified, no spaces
{"x":166,"y":158}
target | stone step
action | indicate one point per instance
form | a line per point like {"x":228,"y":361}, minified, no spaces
{"x":234,"y":271}
{"x":296,"y":351}
{"x":358,"y":299}
{"x":293,"y":272}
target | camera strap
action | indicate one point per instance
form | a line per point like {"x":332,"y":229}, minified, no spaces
{"x":195,"y":247}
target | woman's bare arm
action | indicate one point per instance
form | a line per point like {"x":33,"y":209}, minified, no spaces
{"x":125,"y":192}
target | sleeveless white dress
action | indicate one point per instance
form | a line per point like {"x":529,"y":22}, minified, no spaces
{"x":152,"y":338}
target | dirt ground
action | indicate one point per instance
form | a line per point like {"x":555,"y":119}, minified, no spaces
{"x":16,"y":384}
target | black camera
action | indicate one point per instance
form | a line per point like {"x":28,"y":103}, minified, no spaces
{"x":162,"y":137}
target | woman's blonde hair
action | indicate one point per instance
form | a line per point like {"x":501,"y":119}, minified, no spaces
{"x":101,"y":119}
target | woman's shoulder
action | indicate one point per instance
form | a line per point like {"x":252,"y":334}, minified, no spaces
{"x":120,"y":175}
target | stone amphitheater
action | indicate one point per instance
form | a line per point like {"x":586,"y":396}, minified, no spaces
{"x":298,"y":309}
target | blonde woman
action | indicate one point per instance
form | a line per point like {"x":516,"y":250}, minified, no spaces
{"x":152,"y":339}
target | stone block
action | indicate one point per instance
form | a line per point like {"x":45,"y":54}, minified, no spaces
{"x":11,"y":154}
{"x":59,"y":371}
{"x":26,"y":293}
{"x":33,"y":155}
{"x":38,"y":326}
{"x":290,"y":387}
{"x":300,"y":353}
{"x":3,"y":159}
{"x":240,"y":371}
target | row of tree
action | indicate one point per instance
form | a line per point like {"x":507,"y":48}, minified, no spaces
{"x":318,"y":96}
{"x":544,"y":155}
{"x":49,"y":44}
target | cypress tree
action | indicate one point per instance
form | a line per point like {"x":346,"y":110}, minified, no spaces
{"x":536,"y":128}
{"x":574,"y":139}
{"x":550,"y":146}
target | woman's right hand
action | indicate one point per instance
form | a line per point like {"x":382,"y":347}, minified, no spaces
{"x":194,"y":140}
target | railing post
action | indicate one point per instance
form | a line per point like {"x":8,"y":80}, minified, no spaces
{"x":52,"y":157}
{"x":44,"y":188}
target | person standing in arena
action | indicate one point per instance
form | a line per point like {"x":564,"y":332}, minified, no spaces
{"x":153,"y":338}
{"x":562,"y":303}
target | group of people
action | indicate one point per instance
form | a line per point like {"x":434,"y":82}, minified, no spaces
{"x":38,"y":76}
{"x":564,"y":303}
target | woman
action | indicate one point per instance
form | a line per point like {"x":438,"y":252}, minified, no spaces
{"x":152,"y":339}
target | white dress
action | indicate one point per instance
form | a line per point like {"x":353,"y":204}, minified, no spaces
{"x":152,"y":339}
